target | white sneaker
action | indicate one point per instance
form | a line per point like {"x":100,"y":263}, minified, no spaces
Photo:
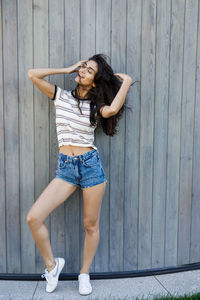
{"x":85,"y":287}
{"x":52,"y":276}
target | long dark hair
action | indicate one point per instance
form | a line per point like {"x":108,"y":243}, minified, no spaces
{"x":107,"y":86}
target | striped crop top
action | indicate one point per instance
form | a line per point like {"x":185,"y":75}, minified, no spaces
{"x":73,"y":128}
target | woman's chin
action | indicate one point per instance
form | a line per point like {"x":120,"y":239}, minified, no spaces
{"x":77,"y":81}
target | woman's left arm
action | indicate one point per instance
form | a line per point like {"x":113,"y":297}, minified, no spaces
{"x":120,"y":97}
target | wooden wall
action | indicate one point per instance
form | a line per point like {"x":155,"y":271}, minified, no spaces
{"x":151,"y":207}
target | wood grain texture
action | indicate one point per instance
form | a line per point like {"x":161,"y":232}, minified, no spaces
{"x":187,"y":131}
{"x":87,"y":49}
{"x":146,"y":134}
{"x":160,"y":131}
{"x":56,"y":27}
{"x":174,"y":127}
{"x":25,"y":59}
{"x":41,"y":108}
{"x":150,"y":210}
{"x":195,"y":220}
{"x":11,"y":133}
{"x":73,"y":223}
{"x":132,"y":135}
{"x":103,"y":42}
{"x":117,"y":143}
{"x":3,"y":248}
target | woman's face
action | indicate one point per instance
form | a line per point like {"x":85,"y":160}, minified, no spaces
{"x":87,"y":73}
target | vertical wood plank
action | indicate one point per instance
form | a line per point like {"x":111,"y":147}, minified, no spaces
{"x":133,"y":59}
{"x":160,"y":131}
{"x":174,"y":127}
{"x":25,"y":58}
{"x":187,"y":128}
{"x":87,"y":49}
{"x":72,"y":213}
{"x":87,"y":37}
{"x":103,"y":39}
{"x":3,"y":248}
{"x":146,"y":133}
{"x":41,"y":109}
{"x":195,"y":220}
{"x":11,"y":111}
{"x":56,"y":60}
{"x":117,"y":175}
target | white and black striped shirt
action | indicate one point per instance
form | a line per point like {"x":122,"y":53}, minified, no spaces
{"x":73,"y":128}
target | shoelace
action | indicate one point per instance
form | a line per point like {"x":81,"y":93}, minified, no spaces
{"x":45,"y":275}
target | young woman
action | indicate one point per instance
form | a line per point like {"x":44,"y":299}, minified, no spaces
{"x":98,"y":99}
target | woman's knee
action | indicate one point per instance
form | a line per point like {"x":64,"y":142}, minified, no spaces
{"x":32,"y":220}
{"x":91,"y":225}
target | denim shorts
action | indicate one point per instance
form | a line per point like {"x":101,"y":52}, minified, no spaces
{"x":83,"y":170}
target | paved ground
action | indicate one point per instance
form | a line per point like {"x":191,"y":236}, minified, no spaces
{"x":110,"y":289}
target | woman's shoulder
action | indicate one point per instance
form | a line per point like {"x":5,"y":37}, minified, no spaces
{"x":60,"y":93}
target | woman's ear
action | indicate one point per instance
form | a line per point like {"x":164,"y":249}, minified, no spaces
{"x":94,"y":84}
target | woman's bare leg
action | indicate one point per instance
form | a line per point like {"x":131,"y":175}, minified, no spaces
{"x":54,"y":194}
{"x":92,"y":198}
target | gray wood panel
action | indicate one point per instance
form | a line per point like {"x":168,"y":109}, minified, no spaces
{"x":117,"y":143}
{"x":187,"y":131}
{"x":2,"y":161}
{"x":146,"y":134}
{"x":72,"y":209}
{"x":103,"y":40}
{"x":11,"y":133}
{"x":87,"y":48}
{"x":25,"y":58}
{"x":41,"y":108}
{"x":134,"y":18}
{"x":160,"y":131}
{"x":174,"y":127}
{"x":195,"y":220}
{"x":149,"y":214}
{"x":56,"y":60}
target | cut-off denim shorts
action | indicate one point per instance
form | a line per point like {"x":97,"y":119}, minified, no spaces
{"x":83,"y":170}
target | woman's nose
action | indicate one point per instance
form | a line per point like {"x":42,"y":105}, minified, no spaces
{"x":82,"y":71}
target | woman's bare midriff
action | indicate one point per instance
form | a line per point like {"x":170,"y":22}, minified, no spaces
{"x":74,"y":150}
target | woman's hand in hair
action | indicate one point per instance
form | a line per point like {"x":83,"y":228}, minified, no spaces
{"x":124,"y":77}
{"x":77,"y":65}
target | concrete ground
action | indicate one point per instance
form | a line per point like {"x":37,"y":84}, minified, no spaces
{"x":148,"y":287}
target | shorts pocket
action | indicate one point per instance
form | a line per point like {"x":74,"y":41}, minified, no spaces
{"x":91,"y":161}
{"x":61,"y":164}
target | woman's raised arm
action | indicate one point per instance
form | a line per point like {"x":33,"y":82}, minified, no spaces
{"x":36,"y":75}
{"x":120,"y":98}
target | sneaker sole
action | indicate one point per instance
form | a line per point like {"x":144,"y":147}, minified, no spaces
{"x":85,"y":294}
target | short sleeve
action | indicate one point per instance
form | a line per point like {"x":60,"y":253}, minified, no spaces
{"x":57,"y":94}
{"x":54,"y":96}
